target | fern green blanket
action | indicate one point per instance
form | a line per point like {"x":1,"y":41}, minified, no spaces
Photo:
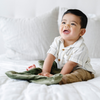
{"x":32,"y":75}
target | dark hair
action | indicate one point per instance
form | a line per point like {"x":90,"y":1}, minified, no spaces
{"x":79,"y":13}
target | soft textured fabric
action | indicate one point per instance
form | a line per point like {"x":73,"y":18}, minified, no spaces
{"x":77,"y":76}
{"x":32,"y":76}
{"x":91,"y":36}
{"x":76,"y":52}
{"x":29,"y":38}
{"x":12,"y":89}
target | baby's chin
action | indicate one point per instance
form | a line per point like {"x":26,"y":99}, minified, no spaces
{"x":64,"y":37}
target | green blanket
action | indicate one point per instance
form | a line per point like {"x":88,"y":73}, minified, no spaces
{"x":32,"y":75}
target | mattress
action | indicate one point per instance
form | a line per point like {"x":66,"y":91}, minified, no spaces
{"x":12,"y":89}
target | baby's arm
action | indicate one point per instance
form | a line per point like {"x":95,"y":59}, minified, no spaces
{"x":47,"y":65}
{"x":68,"y":67}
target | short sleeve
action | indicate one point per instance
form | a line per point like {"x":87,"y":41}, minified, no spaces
{"x":54,"y":48}
{"x":80,"y":56}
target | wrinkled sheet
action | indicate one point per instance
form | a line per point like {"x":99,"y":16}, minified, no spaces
{"x":12,"y":89}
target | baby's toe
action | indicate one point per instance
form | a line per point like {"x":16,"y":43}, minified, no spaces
{"x":33,"y":66}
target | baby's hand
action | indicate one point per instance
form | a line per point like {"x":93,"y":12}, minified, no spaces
{"x":31,"y":67}
{"x":45,"y":74}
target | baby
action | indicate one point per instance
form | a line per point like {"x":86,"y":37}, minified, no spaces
{"x":69,"y":50}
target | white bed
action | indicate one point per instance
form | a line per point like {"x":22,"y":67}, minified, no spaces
{"x":12,"y":89}
{"x":28,"y":28}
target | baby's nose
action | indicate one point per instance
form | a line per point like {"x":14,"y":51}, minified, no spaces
{"x":67,"y":25}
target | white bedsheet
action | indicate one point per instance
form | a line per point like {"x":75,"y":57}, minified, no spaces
{"x":11,"y":89}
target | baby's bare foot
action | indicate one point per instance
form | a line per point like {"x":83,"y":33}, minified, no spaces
{"x":31,"y":67}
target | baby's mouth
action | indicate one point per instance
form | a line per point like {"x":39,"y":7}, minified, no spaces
{"x":66,"y":31}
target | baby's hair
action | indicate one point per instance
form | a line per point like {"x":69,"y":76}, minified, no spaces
{"x":79,"y":13}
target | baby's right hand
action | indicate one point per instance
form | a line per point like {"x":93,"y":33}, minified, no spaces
{"x":45,"y":74}
{"x":31,"y":67}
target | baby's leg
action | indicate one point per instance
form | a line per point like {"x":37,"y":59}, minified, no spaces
{"x":77,"y":76}
{"x":31,"y":67}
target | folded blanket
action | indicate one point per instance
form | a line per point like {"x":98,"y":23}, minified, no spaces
{"x":32,"y":75}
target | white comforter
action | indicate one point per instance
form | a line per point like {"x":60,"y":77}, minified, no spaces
{"x":11,"y":89}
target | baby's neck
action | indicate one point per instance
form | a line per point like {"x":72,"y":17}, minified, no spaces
{"x":68,"y":43}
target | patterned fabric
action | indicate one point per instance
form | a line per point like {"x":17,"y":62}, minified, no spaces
{"x":76,"y":52}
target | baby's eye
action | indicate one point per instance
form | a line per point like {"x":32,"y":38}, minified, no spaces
{"x":63,"y":22}
{"x":73,"y":24}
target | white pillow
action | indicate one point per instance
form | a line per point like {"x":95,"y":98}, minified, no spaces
{"x":92,"y":35}
{"x":29,"y":38}
{"x":61,"y":12}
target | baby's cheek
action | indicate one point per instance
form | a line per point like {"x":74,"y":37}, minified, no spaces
{"x":60,"y":30}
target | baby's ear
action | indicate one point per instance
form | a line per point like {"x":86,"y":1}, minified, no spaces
{"x":83,"y":30}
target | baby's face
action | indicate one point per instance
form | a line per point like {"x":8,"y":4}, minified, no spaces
{"x":70,"y":28}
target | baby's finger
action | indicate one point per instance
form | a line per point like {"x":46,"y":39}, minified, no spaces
{"x":40,"y":74}
{"x":46,"y":74}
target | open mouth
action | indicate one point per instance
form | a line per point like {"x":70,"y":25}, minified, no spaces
{"x":66,"y":31}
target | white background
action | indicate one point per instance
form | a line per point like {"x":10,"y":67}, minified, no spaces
{"x":32,"y":8}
